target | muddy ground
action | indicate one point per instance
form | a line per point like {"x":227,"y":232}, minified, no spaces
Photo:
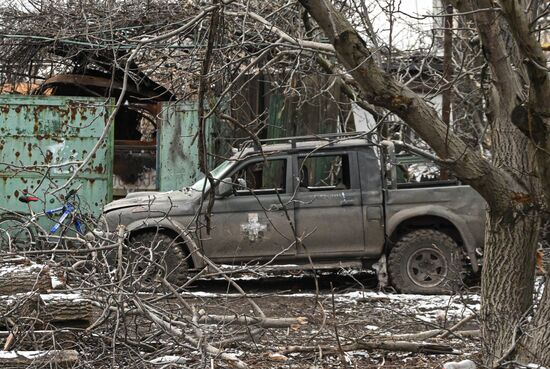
{"x":339,"y":309}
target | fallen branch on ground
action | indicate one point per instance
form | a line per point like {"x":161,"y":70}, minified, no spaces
{"x":264,"y":322}
{"x":169,"y":328}
{"x":443,"y":333}
{"x":400,"y":346}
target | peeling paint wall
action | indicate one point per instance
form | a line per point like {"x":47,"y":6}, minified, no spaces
{"x":178,"y":154}
{"x":41,"y":141}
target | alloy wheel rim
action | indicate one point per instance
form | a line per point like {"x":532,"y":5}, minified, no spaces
{"x":427,"y":267}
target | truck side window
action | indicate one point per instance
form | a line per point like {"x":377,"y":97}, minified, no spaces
{"x":261,"y":178}
{"x":321,"y":173}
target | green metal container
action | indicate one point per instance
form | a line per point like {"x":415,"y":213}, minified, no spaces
{"x":42,"y":139}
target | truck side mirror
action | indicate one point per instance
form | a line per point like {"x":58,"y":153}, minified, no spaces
{"x":225,"y":187}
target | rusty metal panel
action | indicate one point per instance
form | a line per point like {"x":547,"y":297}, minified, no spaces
{"x":178,"y":154}
{"x":42,"y":139}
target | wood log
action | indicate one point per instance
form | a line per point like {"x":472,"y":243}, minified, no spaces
{"x":458,"y":325}
{"x":41,"y":339}
{"x":46,"y":308}
{"x":24,"y":278}
{"x":15,"y":260}
{"x":65,"y":307}
{"x":52,"y":358}
{"x":58,"y":277}
{"x":21,"y":304}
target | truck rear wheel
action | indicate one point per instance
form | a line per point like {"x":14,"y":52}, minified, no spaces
{"x":154,"y":256}
{"x":426,"y":261}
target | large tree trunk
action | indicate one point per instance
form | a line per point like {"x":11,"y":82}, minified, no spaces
{"x":507,"y":282}
{"x":508,"y":273}
{"x":511,"y":234}
{"x":534,"y":122}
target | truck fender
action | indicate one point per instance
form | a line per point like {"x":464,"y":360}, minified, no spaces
{"x":178,"y":228}
{"x":433,"y":210}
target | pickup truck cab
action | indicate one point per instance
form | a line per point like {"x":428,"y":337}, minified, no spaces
{"x":322,"y":202}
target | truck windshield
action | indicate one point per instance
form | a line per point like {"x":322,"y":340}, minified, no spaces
{"x":217,"y":173}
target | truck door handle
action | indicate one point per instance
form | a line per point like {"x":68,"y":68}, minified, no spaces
{"x":346,"y":203}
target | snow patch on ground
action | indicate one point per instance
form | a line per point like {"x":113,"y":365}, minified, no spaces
{"x":427,"y":308}
{"x":62,"y":296}
{"x":25,"y":354}
{"x":56,"y":282}
{"x":169,"y":359}
{"x":534,"y":366}
{"x":359,"y":353}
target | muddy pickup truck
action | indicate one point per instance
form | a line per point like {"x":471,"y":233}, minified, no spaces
{"x":322,"y":202}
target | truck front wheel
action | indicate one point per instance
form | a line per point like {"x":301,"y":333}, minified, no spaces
{"x":154,"y":256}
{"x":426,"y":261}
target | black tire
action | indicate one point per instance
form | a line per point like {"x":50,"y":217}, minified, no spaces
{"x":16,"y":234}
{"x":426,"y":261}
{"x":155,"y":255}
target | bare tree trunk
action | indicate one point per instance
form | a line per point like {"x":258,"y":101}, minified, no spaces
{"x":534,"y":122}
{"x":507,"y":282}
{"x":508,"y":272}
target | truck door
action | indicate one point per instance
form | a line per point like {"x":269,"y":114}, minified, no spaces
{"x":328,"y":208}
{"x":252,"y":223}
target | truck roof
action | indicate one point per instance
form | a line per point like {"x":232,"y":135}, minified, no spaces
{"x":299,"y":143}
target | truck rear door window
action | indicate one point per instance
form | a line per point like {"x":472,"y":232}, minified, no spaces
{"x":322,"y":173}
{"x":415,"y":171}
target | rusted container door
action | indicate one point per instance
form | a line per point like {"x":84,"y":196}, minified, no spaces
{"x":177,"y":153}
{"x":43,"y":140}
